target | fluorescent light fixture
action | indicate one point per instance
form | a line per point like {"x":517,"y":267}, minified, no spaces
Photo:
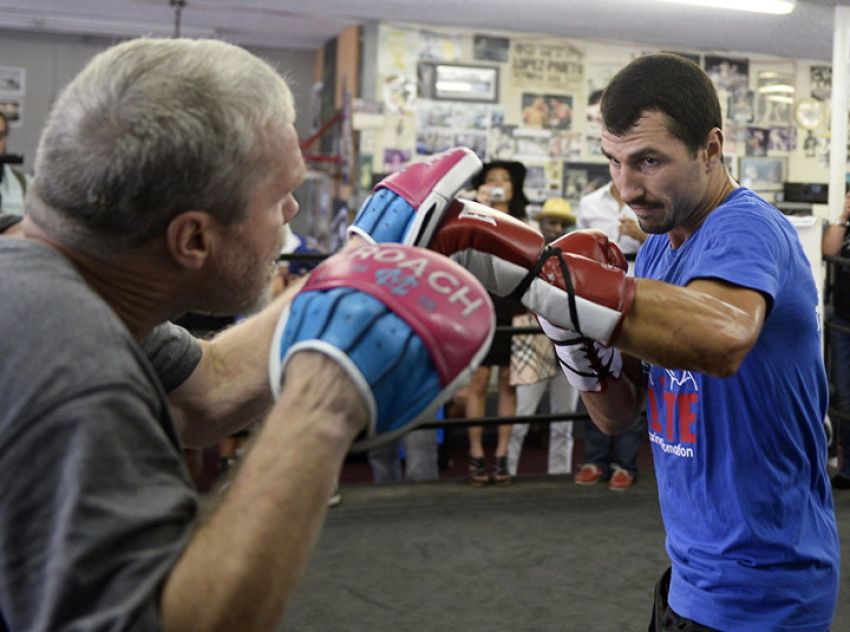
{"x":85,"y":26}
{"x":777,"y":7}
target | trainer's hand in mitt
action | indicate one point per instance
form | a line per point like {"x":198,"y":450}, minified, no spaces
{"x":406,"y":324}
{"x":406,"y":206}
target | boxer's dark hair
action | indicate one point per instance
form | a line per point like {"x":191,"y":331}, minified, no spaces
{"x":666,"y":83}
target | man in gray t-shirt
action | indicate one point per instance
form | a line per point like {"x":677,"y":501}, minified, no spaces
{"x":94,"y":413}
{"x":165,"y":176}
{"x":164,"y":180}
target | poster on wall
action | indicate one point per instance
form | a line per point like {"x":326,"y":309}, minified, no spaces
{"x":398,"y":50}
{"x":502,"y":142}
{"x":547,"y":111}
{"x":488,"y":48}
{"x":12,"y":90}
{"x":775,"y":97}
{"x":581,"y":178}
{"x":757,"y":141}
{"x":440,"y":46}
{"x":810,"y":144}
{"x":532,"y":144}
{"x":729,"y":74}
{"x":535,"y":181}
{"x":782,"y":139}
{"x":565,"y":145}
{"x":762,"y":174}
{"x":398,"y":93}
{"x":394,"y":143}
{"x":554,"y":170}
{"x":740,"y":106}
{"x":456,"y":116}
{"x":395,"y":158}
{"x":433,"y":141}
{"x":546,"y":66}
{"x":820,"y":80}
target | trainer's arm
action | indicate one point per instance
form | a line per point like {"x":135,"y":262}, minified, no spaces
{"x":229,"y":389}
{"x":241,"y":566}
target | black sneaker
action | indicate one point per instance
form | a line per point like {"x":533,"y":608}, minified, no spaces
{"x":840,"y":481}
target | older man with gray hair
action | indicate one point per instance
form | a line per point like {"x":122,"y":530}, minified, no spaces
{"x":164,"y":177}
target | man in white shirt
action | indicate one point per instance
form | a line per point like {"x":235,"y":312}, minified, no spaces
{"x":603,"y":209}
{"x":605,"y":457}
{"x":12,"y":181}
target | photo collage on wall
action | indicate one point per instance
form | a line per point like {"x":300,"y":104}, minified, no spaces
{"x":537,"y":100}
{"x":514,"y":99}
{"x":760,"y":120}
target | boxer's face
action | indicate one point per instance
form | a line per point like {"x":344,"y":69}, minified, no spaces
{"x":247,"y":265}
{"x":656,"y":174}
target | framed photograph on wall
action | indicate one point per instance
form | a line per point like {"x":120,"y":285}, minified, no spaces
{"x":762,"y":173}
{"x":580,"y":178}
{"x":455,"y":82}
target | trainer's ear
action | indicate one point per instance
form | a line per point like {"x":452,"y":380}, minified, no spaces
{"x":190,"y":238}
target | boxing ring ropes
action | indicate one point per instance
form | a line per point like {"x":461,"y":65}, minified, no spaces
{"x":842,"y":416}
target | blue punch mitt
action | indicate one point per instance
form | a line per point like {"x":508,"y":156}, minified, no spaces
{"x":406,"y":207}
{"x":406,"y":324}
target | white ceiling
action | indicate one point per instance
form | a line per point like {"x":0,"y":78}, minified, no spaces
{"x":807,"y":33}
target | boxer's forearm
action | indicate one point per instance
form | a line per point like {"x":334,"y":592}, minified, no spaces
{"x":242,"y":565}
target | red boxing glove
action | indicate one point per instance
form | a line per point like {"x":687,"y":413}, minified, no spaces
{"x":577,"y":283}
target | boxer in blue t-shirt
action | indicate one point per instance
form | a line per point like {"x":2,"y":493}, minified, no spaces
{"x":721,"y":340}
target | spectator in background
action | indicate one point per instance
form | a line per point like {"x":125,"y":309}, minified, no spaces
{"x":500,"y":186}
{"x":611,"y":458}
{"x":605,"y":210}
{"x":836,"y":243}
{"x":13,"y":181}
{"x":534,"y":367}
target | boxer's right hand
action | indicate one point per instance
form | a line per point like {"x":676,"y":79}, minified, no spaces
{"x":578,"y":282}
{"x":407,"y":325}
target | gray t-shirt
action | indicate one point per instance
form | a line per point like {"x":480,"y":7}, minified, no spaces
{"x":96,"y":504}
{"x":173,"y":352}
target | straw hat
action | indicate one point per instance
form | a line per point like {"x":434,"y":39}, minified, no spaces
{"x":557,"y":208}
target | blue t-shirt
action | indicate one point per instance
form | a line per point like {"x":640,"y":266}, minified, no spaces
{"x":741,"y":461}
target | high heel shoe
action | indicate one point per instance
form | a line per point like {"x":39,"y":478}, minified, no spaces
{"x":501,"y":474}
{"x":478,"y":476}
